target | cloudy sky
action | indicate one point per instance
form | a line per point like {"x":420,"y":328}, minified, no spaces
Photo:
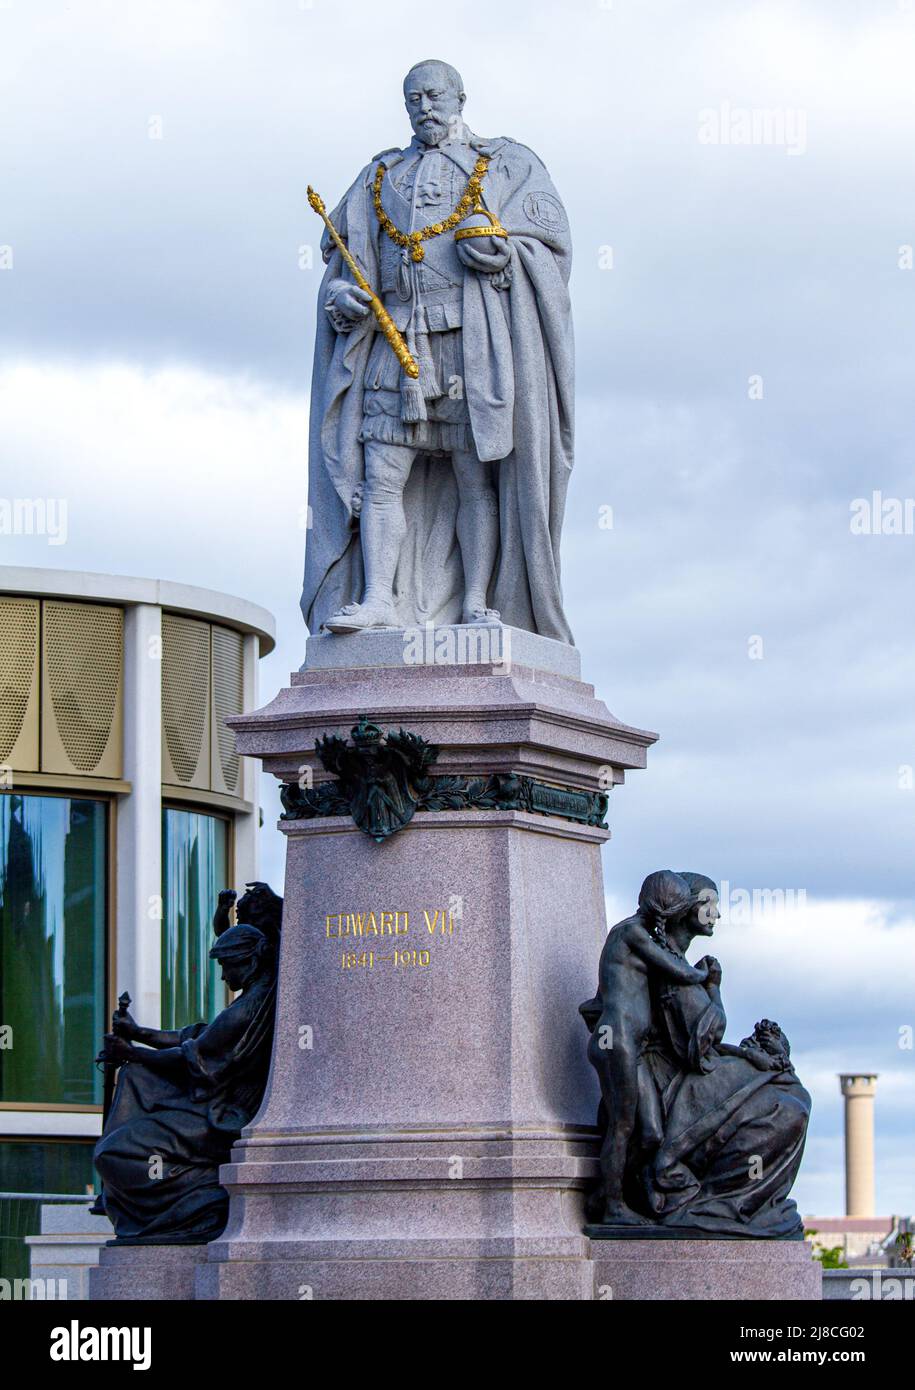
{"x":745,"y":323}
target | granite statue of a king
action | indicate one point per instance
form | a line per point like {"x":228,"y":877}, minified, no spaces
{"x":440,"y":499}
{"x":428,"y":1126}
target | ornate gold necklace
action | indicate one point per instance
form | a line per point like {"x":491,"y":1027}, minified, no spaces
{"x":471,"y":201}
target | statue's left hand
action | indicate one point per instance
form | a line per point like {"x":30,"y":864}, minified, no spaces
{"x":124,"y":1026}
{"x":486,"y":254}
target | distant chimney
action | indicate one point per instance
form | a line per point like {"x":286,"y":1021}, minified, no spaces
{"x":858,"y":1088}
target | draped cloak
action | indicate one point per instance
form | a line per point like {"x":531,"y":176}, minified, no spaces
{"x":732,"y":1136}
{"x":518,"y":367}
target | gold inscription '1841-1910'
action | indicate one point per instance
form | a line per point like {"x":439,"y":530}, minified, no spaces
{"x":361,"y":927}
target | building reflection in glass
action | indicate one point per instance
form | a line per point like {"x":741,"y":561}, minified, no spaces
{"x":53,"y":890}
{"x":194,"y":868}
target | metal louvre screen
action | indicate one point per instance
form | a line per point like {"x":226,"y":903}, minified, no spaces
{"x":185,"y":701}
{"x":228,"y":699}
{"x":19,"y":628}
{"x":81,"y":715}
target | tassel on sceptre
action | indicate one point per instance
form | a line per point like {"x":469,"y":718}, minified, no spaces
{"x":412,"y":397}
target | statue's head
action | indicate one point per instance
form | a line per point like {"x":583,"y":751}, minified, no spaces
{"x":434,"y":96}
{"x":260,"y":907}
{"x":243,"y":952}
{"x":663,"y":897}
{"x":704,"y":911}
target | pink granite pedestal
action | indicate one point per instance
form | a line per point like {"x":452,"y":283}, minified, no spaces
{"x":145,"y":1273}
{"x":428,"y":1126}
{"x":705,"y":1270}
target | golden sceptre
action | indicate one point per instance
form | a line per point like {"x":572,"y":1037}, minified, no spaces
{"x":385,"y":322}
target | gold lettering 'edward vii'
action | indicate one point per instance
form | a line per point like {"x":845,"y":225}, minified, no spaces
{"x":438,"y":921}
{"x":362,"y":924}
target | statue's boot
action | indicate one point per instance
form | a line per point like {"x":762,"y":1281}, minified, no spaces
{"x":480,"y":616}
{"x":357,"y":617}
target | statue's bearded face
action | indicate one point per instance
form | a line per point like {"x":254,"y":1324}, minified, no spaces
{"x":434,"y":103}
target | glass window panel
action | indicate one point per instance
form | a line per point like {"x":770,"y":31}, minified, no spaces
{"x":194,"y":869}
{"x":47,"y":1166}
{"x":53,"y":893}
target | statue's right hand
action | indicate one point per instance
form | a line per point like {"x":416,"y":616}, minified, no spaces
{"x":115,"y":1050}
{"x":347,"y":304}
{"x":123,"y":1026}
{"x":712,"y":968}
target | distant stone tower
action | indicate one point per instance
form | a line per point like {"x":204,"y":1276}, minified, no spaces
{"x":859,"y":1088}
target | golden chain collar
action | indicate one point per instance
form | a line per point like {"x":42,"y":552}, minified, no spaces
{"x":471,"y":201}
